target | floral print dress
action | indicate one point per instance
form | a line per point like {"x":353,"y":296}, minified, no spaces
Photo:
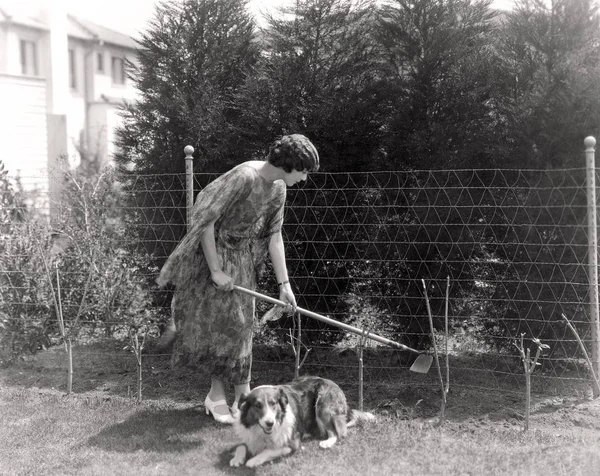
{"x":215,"y":327}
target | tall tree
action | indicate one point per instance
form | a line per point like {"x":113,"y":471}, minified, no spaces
{"x":320,"y":75}
{"x":192,"y":59}
{"x":552,"y":51}
{"x":448,"y":109}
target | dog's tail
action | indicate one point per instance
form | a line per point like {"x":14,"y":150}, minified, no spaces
{"x":357,"y":416}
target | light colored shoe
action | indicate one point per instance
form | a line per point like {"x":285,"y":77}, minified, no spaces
{"x":210,"y":406}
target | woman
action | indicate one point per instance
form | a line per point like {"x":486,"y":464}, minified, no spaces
{"x":236,"y":222}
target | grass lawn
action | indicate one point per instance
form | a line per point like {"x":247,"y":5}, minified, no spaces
{"x":45,"y":432}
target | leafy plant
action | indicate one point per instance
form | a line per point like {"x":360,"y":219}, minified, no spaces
{"x":23,"y":293}
{"x":94,"y":233}
{"x":90,"y":254}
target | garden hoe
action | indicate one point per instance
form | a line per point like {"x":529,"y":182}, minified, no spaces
{"x":420,"y":365}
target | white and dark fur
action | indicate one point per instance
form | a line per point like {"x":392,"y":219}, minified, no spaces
{"x":272,"y":420}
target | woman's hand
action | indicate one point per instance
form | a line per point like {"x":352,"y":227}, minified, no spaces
{"x":287,"y":295}
{"x":222,"y":281}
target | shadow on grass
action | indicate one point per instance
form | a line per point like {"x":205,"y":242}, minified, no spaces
{"x":276,"y":466}
{"x":158,"y":430}
{"x":167,"y":431}
{"x":223,"y":464}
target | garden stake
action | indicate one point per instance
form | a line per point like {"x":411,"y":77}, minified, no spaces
{"x":138,"y":347}
{"x":420,"y":365}
{"x":298,"y":350}
{"x":59,"y":317}
{"x":66,"y":338}
{"x":361,"y":346}
{"x":585,"y":354}
{"x":447,"y":388}
{"x":529,"y":366}
{"x":67,"y":335}
{"x":56,"y":297}
{"x":435,"y":351}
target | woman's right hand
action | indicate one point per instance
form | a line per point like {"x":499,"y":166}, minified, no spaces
{"x":222,"y":281}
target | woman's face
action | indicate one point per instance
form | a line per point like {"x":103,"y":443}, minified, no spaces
{"x":295,"y":176}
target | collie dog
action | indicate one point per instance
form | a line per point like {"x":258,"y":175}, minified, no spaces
{"x":272,"y":420}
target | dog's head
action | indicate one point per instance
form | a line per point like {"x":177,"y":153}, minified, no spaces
{"x":264,"y":406}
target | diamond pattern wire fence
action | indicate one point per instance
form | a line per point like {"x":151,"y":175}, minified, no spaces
{"x":512,"y":243}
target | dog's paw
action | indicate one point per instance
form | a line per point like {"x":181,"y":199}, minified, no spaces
{"x":254,"y":462}
{"x":328,"y":443}
{"x":239,"y":457}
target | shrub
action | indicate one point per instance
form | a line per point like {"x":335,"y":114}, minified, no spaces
{"x":23,"y":294}
{"x":89,"y":259}
{"x":94,"y":238}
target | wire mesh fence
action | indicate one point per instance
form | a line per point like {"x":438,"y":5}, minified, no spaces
{"x":512,"y":243}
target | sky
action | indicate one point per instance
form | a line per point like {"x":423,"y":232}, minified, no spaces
{"x":126,"y":16}
{"x":132,"y":16}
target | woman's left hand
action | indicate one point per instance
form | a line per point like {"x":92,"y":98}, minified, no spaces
{"x":287,"y":295}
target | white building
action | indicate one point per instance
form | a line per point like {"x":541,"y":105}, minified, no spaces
{"x":62,"y":81}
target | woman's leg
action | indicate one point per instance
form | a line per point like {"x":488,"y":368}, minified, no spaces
{"x":216,"y":393}
{"x":241,"y":380}
{"x":239,"y":391}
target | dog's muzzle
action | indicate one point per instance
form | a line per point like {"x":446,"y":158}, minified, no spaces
{"x":268,"y":428}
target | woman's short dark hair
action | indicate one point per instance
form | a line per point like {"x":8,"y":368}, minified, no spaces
{"x":294,"y":152}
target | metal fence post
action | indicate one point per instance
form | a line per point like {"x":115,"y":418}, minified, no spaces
{"x":189,"y":184}
{"x":590,"y":144}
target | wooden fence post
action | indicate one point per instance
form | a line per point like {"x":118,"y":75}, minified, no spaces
{"x":590,"y":144}
{"x":189,"y":184}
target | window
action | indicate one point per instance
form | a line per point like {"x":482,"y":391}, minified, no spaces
{"x":118,"y":70}
{"x":72,"y":70}
{"x":29,"y":62}
{"x":100,"y":63}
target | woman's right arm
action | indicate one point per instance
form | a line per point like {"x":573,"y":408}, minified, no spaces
{"x":222,"y":281}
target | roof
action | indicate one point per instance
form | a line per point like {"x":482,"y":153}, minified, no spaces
{"x":83,"y":29}
{"x":76,"y":27}
{"x":11,"y":15}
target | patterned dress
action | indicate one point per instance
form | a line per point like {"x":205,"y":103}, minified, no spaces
{"x":215,"y":327}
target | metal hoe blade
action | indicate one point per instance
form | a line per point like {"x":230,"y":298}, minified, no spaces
{"x":420,"y":365}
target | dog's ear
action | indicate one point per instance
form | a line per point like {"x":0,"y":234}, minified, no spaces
{"x":282,"y":398}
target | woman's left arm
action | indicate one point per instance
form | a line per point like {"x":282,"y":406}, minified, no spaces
{"x":277,"y":253}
